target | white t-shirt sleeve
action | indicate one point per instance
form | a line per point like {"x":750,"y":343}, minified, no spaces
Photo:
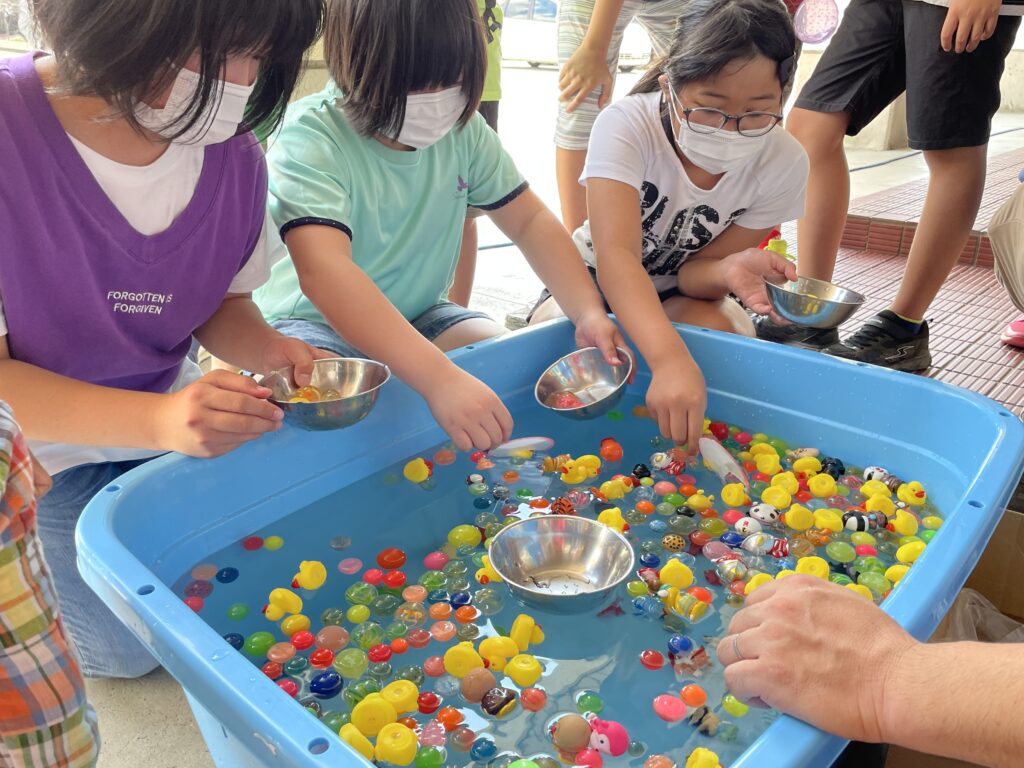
{"x":3,"y":320}
{"x":256,"y":271}
{"x":782,"y":184}
{"x":618,"y":145}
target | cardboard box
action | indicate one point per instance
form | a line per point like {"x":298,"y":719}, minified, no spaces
{"x":999,"y":575}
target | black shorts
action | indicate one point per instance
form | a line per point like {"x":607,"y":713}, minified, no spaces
{"x":489,"y":109}
{"x":886,"y":47}
{"x":663,"y":296}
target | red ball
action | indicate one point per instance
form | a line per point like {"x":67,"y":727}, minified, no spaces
{"x":803,"y":497}
{"x":533,"y":699}
{"x":195,"y":603}
{"x":590,"y":758}
{"x":418,"y":638}
{"x":719,"y":429}
{"x":302,"y":640}
{"x":699,"y":538}
{"x":732,"y":516}
{"x":476,"y":456}
{"x":374,"y":576}
{"x":743,"y":438}
{"x":701,"y":594}
{"x":428,"y":702}
{"x":379,"y":653}
{"x":289,"y":687}
{"x":652,"y":659}
{"x":391,"y":558}
{"x":272,"y":670}
{"x":321,"y":658}
{"x":252,"y":543}
{"x":394,"y":579}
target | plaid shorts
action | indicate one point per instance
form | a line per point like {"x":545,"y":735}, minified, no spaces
{"x":44,"y":717}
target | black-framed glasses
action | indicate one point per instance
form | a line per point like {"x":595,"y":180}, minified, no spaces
{"x":707,"y":120}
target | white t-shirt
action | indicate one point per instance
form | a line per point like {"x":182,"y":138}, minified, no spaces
{"x":151,"y":198}
{"x":1013,"y":8}
{"x":629,"y":144}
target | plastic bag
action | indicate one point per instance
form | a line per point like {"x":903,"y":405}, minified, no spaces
{"x":974,"y":618}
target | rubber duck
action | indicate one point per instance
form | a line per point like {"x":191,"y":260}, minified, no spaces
{"x":461,"y":658}
{"x":808,"y":466}
{"x":396,"y":744}
{"x":762,"y":449}
{"x":813,"y":566}
{"x":912,"y":493}
{"x":768,"y":463}
{"x":786,"y":481}
{"x":676,"y":573}
{"x":312,"y":574}
{"x":401,"y":694}
{"x":909,"y":553}
{"x":757,"y":580}
{"x":799,"y":517}
{"x":828,"y":520}
{"x":526,"y":631}
{"x":487,"y":574}
{"x":777,"y":497}
{"x":614,"y":489}
{"x":882,"y":505}
{"x":284,"y":601}
{"x":875,"y":488}
{"x":613,"y":519}
{"x":416,"y":471}
{"x":497,"y":651}
{"x":735,"y":495}
{"x":524,"y":670}
{"x":699,"y":501}
{"x":573,"y":473}
{"x":822,"y":485}
{"x":373,"y":713}
{"x":702,"y":758}
{"x":355,"y":739}
{"x":608,"y":737}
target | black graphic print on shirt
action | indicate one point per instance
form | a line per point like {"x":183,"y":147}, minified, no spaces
{"x":687,"y":232}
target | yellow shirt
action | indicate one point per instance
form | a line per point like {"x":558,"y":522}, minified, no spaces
{"x":492,"y":27}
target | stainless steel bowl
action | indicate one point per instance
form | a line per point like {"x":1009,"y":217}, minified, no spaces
{"x":561,"y":563}
{"x":813,"y":303}
{"x":586,"y":374}
{"x":356,"y":382}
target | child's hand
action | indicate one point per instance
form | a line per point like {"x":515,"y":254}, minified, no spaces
{"x":282,"y":352}
{"x":583,"y":73}
{"x":968,"y":22}
{"x":596,"y":329}
{"x":677,"y":399}
{"x":745,"y":273}
{"x":215,"y":415}
{"x":467,"y":409}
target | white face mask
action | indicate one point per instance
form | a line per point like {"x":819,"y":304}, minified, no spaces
{"x":718,"y":152}
{"x":430,"y":116}
{"x":219,"y":121}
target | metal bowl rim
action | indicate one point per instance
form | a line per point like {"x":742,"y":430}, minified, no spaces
{"x":372,"y":363}
{"x":782,"y":288}
{"x":533,"y":590}
{"x":577,"y":409}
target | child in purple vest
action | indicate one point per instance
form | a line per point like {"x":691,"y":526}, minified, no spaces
{"x":133,"y":213}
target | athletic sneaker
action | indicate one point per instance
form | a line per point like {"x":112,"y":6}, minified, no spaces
{"x":798,"y":335}
{"x":885,"y":340}
{"x":1014,"y":333}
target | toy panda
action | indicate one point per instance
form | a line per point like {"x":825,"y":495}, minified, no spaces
{"x":764,"y":513}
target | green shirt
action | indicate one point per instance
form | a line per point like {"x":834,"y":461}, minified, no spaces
{"x":492,"y":32}
{"x":404,"y":211}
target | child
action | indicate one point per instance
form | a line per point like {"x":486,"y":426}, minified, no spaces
{"x":44,"y":717}
{"x":369,"y":182}
{"x":949,"y":62}
{"x":492,"y":16}
{"x":590,"y":35}
{"x":684,"y":178}
{"x":133,"y":209}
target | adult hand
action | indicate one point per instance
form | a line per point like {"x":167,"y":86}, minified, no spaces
{"x":746,"y":271}
{"x":215,"y":415}
{"x":677,"y":399}
{"x":469,"y":411}
{"x":968,"y":22}
{"x":584,"y":72}
{"x":817,"y":651}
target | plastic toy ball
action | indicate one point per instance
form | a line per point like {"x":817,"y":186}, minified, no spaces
{"x":816,"y":21}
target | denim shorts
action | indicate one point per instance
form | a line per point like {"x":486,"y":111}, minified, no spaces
{"x":431,"y":324}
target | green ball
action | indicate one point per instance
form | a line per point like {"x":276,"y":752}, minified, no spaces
{"x":841,"y":579}
{"x":675,"y":499}
{"x":334,"y":720}
{"x":588,"y":701}
{"x":361,"y":593}
{"x":840,"y":552}
{"x":876,"y":582}
{"x":295,"y":666}
{"x":636,"y":588}
{"x":927,"y":535}
{"x":367,"y":635}
{"x":258,"y":643}
{"x":734,"y":706}
{"x":431,"y":757}
{"x":395,"y":629}
{"x":238,"y":611}
{"x":433,"y":580}
{"x":612,"y":416}
{"x":713,"y":526}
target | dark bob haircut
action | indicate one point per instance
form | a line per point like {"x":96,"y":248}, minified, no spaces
{"x":118,"y":50}
{"x":712,"y":33}
{"x":380,"y":51}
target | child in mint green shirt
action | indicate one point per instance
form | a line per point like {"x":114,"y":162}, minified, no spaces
{"x":369,"y":183}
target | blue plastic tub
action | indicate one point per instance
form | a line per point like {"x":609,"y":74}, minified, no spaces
{"x":139,"y":535}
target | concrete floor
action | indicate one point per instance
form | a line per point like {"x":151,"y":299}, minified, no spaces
{"x":147,"y":722}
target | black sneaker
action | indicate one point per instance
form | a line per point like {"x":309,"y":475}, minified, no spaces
{"x":884,"y":340}
{"x":798,"y":335}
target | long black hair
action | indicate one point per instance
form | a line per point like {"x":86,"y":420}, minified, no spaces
{"x":712,"y":33}
{"x":380,"y":51}
{"x":119,"y":50}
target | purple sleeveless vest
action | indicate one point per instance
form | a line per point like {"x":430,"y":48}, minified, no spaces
{"x":84,"y":294}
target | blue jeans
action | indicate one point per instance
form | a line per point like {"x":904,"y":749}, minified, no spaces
{"x":105,"y":646}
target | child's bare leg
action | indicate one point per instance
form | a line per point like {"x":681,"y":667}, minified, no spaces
{"x":468,"y":332}
{"x":828,"y":189}
{"x":573,"y":196}
{"x":549,"y":310}
{"x":721,"y":315}
{"x":465,"y":271}
{"x":954,"y":195}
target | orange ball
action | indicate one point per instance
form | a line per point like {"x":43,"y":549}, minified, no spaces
{"x":701,"y":594}
{"x":645,"y":507}
{"x":540,"y":504}
{"x":440,"y":611}
{"x":694,"y":695}
{"x":399,"y":645}
{"x":449,"y":717}
{"x":709,"y":512}
{"x":467,"y":614}
{"x":409,"y":722}
{"x":510,"y":477}
{"x":687,"y":490}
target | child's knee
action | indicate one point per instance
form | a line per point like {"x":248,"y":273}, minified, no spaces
{"x":818,"y":132}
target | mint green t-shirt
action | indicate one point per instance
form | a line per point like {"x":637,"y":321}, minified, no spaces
{"x":404,"y":211}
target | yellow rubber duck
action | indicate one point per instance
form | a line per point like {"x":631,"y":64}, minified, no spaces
{"x":828,"y":520}
{"x":614,"y":489}
{"x":312,"y":574}
{"x":526,"y":631}
{"x":613,"y":519}
{"x":912,"y":493}
{"x":700,"y":501}
{"x":768,"y":463}
{"x":875,"y":488}
{"x":396,"y":744}
{"x":762,"y":449}
{"x":460,"y":659}
{"x":280,"y":602}
{"x":355,"y":739}
{"x":497,"y":651}
{"x":573,"y":473}
{"x":799,"y":517}
{"x":787,"y":481}
{"x":676,"y":573}
{"x":702,"y":758}
{"x":757,"y":580}
{"x":735,"y":495}
{"x":524,"y":670}
{"x":487,"y":574}
{"x":373,"y":713}
{"x":808,"y":466}
{"x":776,"y":496}
{"x":822,"y":485}
{"x":813,"y":566}
{"x":416,"y":471}
{"x":401,"y":694}
{"x":883,"y":505}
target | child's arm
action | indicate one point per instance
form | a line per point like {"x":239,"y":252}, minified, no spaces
{"x":207,"y":418}
{"x":587,"y":68}
{"x":465,"y":408}
{"x":551,"y":253}
{"x":968,"y":23}
{"x":238,"y":334}
{"x":677,"y":396}
{"x":731,"y":264}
